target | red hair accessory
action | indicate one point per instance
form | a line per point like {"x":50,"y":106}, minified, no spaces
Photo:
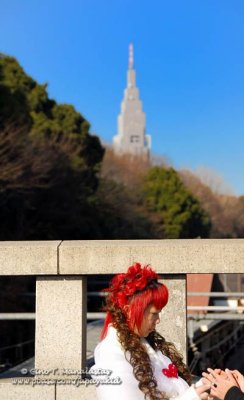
{"x":138,"y":287}
{"x":171,"y":371}
{"x":126,"y":285}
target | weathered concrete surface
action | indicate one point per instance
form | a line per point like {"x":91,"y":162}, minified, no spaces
{"x":68,"y":392}
{"x":172,"y":324}
{"x":29,"y":258}
{"x":60,"y":324}
{"x":112,"y":256}
{"x":166,"y":256}
{"x":10,"y":391}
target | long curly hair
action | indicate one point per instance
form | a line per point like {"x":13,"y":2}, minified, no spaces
{"x":138,"y":288}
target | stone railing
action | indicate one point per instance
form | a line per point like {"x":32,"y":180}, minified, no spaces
{"x":62,"y":268}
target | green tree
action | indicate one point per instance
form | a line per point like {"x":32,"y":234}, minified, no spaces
{"x":49,"y":163}
{"x":180,"y":212}
{"x":24,"y":100}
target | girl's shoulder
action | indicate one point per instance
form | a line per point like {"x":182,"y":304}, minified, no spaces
{"x":109,"y":345}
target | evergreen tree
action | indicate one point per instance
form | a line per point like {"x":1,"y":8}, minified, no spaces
{"x":49,"y":163}
{"x":180,"y":212}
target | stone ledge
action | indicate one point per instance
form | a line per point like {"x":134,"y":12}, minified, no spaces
{"x":68,"y":392}
{"x":9,"y":391}
{"x":166,"y":256}
{"x":112,"y":256}
{"x":29,"y":258}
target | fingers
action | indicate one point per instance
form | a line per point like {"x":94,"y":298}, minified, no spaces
{"x":220,"y":383}
{"x":236,"y":374}
{"x":239,"y":379}
{"x":213,"y":378}
{"x":212,"y":372}
{"x":208,"y":381}
{"x":204,"y":396}
{"x":209,"y":376}
{"x":218,"y":371}
{"x":234,"y":371}
{"x":230,"y":376}
{"x":203,"y":388}
{"x":223,"y":374}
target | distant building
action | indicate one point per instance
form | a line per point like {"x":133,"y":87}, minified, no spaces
{"x":131,"y":137}
{"x":198,"y":283}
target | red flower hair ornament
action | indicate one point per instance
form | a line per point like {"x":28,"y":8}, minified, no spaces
{"x":138,"y":287}
{"x":136,"y":279}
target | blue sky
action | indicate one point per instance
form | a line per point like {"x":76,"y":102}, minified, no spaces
{"x":189,"y":60}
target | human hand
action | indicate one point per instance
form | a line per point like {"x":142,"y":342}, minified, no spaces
{"x":220,"y":384}
{"x":203,"y":390}
{"x":220,"y":372}
{"x":239,"y":378}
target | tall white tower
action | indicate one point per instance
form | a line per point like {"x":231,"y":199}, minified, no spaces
{"x":131,"y":137}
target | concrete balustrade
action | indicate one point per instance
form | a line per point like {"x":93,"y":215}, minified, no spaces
{"x":86,"y":257}
{"x":29,"y":258}
{"x":173,"y":317}
{"x":60,"y":340}
{"x":61,"y":269}
{"x":166,"y":256}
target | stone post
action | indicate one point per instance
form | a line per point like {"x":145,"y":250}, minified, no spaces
{"x":172,"y":325}
{"x":60,"y":324}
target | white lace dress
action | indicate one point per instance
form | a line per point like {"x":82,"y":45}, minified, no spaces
{"x":121,"y":383}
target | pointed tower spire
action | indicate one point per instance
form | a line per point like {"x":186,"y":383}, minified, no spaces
{"x":131,"y":73}
{"x":131,"y":137}
{"x":131,"y":56}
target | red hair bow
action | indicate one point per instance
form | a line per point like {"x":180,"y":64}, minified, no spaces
{"x":171,"y":371}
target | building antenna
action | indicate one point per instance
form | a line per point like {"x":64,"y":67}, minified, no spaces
{"x":131,"y":56}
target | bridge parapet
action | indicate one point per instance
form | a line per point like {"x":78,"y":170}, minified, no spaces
{"x":62,"y":269}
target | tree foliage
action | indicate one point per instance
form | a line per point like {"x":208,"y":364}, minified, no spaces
{"x":122,"y":216}
{"x":157,"y":194}
{"x":55,"y":181}
{"x":49,"y":163}
{"x":226,"y":210}
{"x":180,"y":212}
{"x":24,"y":100}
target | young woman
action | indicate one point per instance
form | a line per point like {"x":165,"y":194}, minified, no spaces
{"x":145,"y":365}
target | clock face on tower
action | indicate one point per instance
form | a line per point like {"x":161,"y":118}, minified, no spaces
{"x":131,"y":97}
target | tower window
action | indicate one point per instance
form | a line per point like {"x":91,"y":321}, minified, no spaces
{"x":134,"y":139}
